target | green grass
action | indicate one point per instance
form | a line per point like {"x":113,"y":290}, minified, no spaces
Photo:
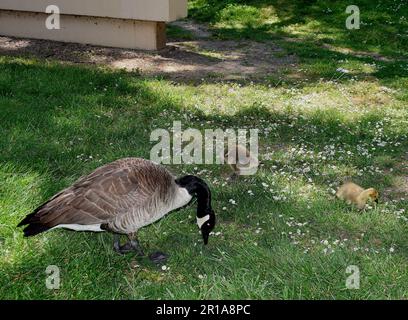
{"x":288,"y":237}
{"x":176,"y":32}
{"x":383,"y":28}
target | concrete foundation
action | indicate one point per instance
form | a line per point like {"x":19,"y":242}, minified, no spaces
{"x":110,"y":32}
{"x":135,"y":24}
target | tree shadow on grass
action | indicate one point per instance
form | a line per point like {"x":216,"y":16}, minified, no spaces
{"x":86,"y":117}
{"x":380,"y":27}
{"x":181,"y":61}
{"x":285,"y":62}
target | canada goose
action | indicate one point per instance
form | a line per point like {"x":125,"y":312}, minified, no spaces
{"x":121,"y":197}
{"x":353,"y":193}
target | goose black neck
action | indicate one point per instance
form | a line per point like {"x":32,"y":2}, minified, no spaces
{"x":197,"y":187}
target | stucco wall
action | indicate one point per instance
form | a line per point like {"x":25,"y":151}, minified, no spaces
{"x":109,"y":32}
{"x":136,"y":24}
{"x":151,"y":10}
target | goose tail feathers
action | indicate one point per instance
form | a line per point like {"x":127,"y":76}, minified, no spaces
{"x":34,"y":228}
{"x":32,"y":223}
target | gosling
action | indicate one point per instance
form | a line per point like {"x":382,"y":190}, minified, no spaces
{"x":246,"y":163}
{"x":354,"y":194}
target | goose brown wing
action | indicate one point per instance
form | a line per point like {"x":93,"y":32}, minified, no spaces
{"x":109,"y":191}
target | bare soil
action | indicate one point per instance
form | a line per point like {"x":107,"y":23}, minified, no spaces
{"x":180,"y":60}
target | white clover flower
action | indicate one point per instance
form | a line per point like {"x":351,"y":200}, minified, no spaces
{"x":342,"y":70}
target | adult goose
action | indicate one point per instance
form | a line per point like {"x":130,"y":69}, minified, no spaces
{"x":121,"y":197}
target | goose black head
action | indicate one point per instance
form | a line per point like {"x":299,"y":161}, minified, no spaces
{"x":205,"y":214}
{"x":206,"y":225}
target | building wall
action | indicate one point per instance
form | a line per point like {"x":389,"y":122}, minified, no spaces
{"x":135,"y":24}
{"x":151,"y":10}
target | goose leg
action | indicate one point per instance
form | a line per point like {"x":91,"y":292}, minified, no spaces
{"x":116,"y":243}
{"x":131,"y":246}
{"x":134,"y":244}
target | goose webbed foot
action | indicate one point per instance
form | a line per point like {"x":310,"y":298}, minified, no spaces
{"x":132,"y":245}
{"x":158,"y":257}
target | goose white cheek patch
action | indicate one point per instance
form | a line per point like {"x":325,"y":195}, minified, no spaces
{"x":201,"y":221}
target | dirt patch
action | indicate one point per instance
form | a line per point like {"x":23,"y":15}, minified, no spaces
{"x":181,"y":61}
{"x":358,"y":54}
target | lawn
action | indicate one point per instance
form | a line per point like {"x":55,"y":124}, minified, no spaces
{"x":339,"y":111}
